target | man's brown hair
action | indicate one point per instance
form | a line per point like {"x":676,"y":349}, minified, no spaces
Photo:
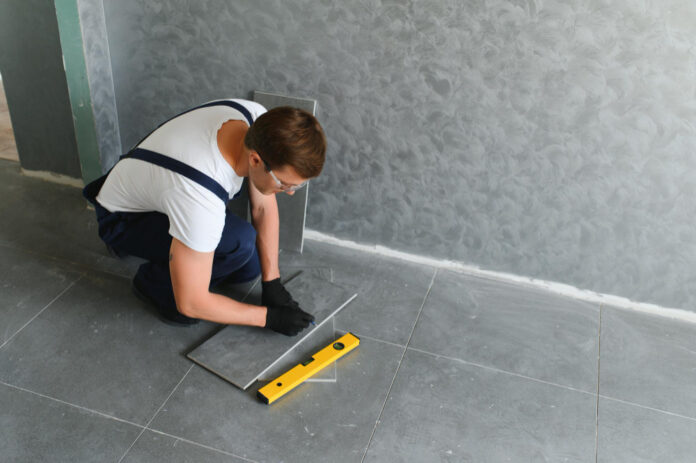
{"x":289,"y":136}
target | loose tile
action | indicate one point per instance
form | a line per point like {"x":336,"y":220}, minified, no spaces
{"x":35,"y":428}
{"x":511,"y":327}
{"x":291,"y":213}
{"x":444,"y":410}
{"x":152,"y":446}
{"x":313,"y":422}
{"x":390,"y":292}
{"x":240,"y":354}
{"x":648,"y":360}
{"x":317,"y":340}
{"x":292,"y":209}
{"x":99,"y":347}
{"x":634,"y":434}
{"x":29,"y":284}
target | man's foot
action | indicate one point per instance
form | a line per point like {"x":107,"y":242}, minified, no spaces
{"x":169,"y":316}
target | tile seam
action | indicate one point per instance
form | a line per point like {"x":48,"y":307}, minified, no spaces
{"x":599,"y":357}
{"x":363,"y":336}
{"x":156,"y":413}
{"x":398,"y":367}
{"x":658,"y":410}
{"x":188,"y":441}
{"x":41,"y":311}
{"x":79,"y":407}
{"x":498,"y":370}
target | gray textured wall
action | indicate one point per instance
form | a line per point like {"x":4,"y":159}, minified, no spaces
{"x":543,"y":138}
{"x":99,"y":74}
{"x":37,"y":91}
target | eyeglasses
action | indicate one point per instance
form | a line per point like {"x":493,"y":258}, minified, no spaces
{"x":282,"y":186}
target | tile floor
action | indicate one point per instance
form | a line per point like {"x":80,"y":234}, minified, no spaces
{"x":450,"y":368}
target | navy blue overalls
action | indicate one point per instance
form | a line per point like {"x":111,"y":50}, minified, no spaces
{"x":146,"y":234}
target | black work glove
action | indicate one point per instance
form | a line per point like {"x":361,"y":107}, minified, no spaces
{"x":287,"y":320}
{"x":274,"y":293}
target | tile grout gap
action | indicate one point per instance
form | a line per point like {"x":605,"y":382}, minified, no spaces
{"x":79,"y":407}
{"x":398,"y":367}
{"x":657,"y":410}
{"x":121,"y":420}
{"x":361,"y":336}
{"x":498,"y":370}
{"x":41,"y":311}
{"x":147,"y":426}
{"x":188,"y":441}
{"x":599,"y":356}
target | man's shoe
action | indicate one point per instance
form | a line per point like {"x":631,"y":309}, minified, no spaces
{"x":168,"y":316}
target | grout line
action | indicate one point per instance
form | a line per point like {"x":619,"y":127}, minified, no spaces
{"x":599,"y":356}
{"x":147,"y":426}
{"x":41,"y":311}
{"x":665,"y":412}
{"x":89,"y":410}
{"x":386,"y":398}
{"x":362,"y":336}
{"x":200,"y":445}
{"x":498,"y":370}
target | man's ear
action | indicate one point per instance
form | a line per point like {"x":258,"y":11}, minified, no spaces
{"x":254,"y":158}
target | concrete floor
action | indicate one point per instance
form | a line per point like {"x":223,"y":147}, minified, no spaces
{"x":450,"y":368}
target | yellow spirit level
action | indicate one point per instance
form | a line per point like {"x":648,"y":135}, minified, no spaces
{"x":297,"y":374}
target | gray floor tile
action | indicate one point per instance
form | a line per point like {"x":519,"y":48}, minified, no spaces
{"x":152,"y":447}
{"x":314,"y":422}
{"x":308,"y":347}
{"x":53,"y":220}
{"x":99,"y":347}
{"x":513,"y":328}
{"x":29,"y":283}
{"x":390,"y":292}
{"x":240,"y":354}
{"x":648,"y":360}
{"x":444,"y":410}
{"x":37,"y":429}
{"x":628,"y":433}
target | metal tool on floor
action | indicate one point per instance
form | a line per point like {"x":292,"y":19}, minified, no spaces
{"x":296,"y":375}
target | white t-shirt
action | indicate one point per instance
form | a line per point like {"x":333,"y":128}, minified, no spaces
{"x":196,"y":215}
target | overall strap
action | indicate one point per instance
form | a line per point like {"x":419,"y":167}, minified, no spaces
{"x":180,"y":168}
{"x":232,"y":104}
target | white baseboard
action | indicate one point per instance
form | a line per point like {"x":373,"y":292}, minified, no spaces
{"x":551,"y":286}
{"x":53,"y":177}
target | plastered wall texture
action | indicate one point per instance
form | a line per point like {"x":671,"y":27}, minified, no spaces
{"x":548,"y":139}
{"x":101,"y":85}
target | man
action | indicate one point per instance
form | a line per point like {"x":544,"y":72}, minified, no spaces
{"x":165,"y":201}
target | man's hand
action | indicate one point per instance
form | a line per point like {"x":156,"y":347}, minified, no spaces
{"x":275,"y":294}
{"x":287,"y":320}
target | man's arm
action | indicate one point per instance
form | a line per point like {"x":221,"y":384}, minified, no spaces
{"x":191,"y":271}
{"x":264,"y":217}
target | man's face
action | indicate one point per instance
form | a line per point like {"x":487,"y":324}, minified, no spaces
{"x":275,"y":181}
